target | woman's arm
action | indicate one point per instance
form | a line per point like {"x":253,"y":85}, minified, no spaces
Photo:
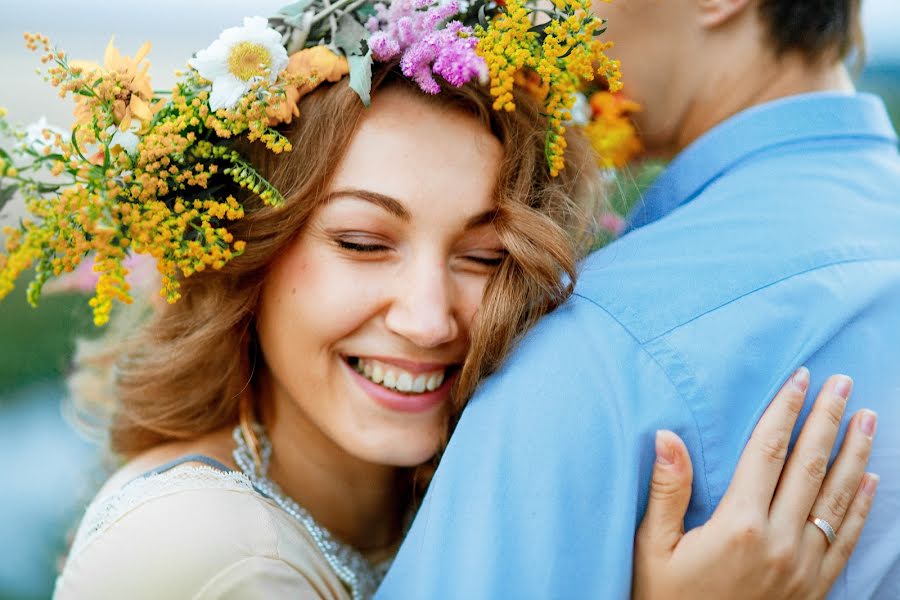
{"x":761,"y":541}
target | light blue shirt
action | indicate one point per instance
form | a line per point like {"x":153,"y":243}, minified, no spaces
{"x":773,"y":241}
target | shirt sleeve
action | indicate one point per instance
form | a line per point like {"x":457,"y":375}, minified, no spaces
{"x":258,"y":577}
{"x":201,"y":543}
{"x":545,"y":479}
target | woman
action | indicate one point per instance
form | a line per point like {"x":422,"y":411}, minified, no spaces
{"x":274,"y":417}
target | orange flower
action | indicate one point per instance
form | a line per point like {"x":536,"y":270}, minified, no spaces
{"x":306,"y":70}
{"x":126,"y":84}
{"x":611,"y":131}
{"x":531,"y":82}
{"x":612,"y":105}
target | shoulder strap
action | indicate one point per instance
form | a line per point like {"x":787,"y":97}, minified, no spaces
{"x":201,"y":458}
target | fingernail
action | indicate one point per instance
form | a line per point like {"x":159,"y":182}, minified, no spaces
{"x":867,"y":423}
{"x":871,"y":483}
{"x":842,"y":386}
{"x":664,"y":454}
{"x":800,"y":380}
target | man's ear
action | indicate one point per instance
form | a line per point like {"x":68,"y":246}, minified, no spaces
{"x":713,"y":13}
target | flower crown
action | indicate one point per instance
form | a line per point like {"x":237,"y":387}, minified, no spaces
{"x":138,"y":171}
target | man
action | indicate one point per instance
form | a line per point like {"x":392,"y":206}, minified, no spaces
{"x":771,"y":241}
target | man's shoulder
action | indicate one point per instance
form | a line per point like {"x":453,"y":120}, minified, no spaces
{"x":742,"y":234}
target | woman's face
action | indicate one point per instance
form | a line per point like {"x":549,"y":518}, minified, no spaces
{"x":365,"y":318}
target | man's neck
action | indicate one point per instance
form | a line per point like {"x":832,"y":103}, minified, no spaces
{"x":737,"y":90}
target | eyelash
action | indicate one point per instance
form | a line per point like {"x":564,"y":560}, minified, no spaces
{"x":353,"y":246}
{"x":488,"y":262}
{"x":372,"y":248}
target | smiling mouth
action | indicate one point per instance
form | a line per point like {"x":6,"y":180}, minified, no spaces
{"x":397,"y":379}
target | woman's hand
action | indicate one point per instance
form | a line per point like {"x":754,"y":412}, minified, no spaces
{"x":760,"y":542}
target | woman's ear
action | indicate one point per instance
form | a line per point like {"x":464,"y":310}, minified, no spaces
{"x":713,"y":13}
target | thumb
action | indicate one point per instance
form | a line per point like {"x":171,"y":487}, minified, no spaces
{"x":670,"y":493}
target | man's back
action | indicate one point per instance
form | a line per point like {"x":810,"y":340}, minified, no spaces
{"x":780,"y":263}
{"x":776,"y":246}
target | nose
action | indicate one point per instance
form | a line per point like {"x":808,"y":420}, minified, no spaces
{"x":423,"y":307}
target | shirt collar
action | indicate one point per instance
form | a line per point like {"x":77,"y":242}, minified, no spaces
{"x":819,"y":115}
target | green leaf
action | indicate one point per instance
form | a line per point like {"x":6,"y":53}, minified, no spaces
{"x":361,"y":76}
{"x":46,"y":188}
{"x":365,"y":11}
{"x":294,"y":9}
{"x":6,"y":194}
{"x":350,"y":35}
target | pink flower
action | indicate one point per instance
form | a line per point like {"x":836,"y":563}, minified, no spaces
{"x":612,"y":222}
{"x":142,"y":276}
{"x":412,"y":30}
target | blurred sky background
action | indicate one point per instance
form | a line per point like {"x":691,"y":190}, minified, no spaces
{"x":177,"y":28}
{"x":49,"y":471}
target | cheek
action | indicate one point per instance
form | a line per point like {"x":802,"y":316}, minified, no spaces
{"x":313,"y":299}
{"x":470,"y":290}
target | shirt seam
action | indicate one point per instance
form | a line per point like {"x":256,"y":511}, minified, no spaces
{"x":772,"y":283}
{"x":673,"y":385}
{"x":230,"y":568}
{"x":746,"y":158}
{"x":678,"y":362}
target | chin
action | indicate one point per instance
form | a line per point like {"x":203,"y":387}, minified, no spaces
{"x":398,"y":448}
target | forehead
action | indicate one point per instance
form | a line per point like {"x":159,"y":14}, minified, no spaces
{"x":426,"y":156}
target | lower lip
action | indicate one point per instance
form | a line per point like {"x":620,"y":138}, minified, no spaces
{"x":408,"y":403}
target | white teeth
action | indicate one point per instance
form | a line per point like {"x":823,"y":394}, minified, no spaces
{"x":393,"y":377}
{"x":434,"y":382}
{"x":404,"y":382}
{"x":390,"y":380}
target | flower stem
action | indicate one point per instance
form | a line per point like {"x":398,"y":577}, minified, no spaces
{"x":337,"y":5}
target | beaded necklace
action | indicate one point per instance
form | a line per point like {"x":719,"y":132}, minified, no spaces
{"x":361,"y":576}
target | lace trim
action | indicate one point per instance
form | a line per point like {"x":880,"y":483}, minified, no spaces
{"x":102,"y":513}
{"x":359,"y":575}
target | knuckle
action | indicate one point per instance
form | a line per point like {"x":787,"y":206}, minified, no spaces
{"x":663,"y":488}
{"x":838,"y":501}
{"x":794,"y":402}
{"x":815,"y":464}
{"x":782,"y":560}
{"x":861,"y":452}
{"x":773,"y":447}
{"x":747,"y":534}
{"x":863,"y":506}
{"x":801,"y":584}
{"x":834,"y":411}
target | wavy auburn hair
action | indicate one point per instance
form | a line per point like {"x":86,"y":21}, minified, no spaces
{"x":184,"y":373}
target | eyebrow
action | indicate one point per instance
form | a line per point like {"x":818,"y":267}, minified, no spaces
{"x":392,"y":205}
{"x":396,"y":208}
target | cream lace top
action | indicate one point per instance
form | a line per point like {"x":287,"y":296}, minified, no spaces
{"x":193,"y":532}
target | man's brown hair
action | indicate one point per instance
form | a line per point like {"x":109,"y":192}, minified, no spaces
{"x":817,"y":29}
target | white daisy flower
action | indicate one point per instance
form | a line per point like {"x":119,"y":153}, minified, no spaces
{"x":127,"y":140}
{"x":238,"y":59}
{"x":581,"y":110}
{"x":34,"y":135}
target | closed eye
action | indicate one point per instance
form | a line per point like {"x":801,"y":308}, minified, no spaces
{"x":357,"y":247}
{"x":488,"y":261}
